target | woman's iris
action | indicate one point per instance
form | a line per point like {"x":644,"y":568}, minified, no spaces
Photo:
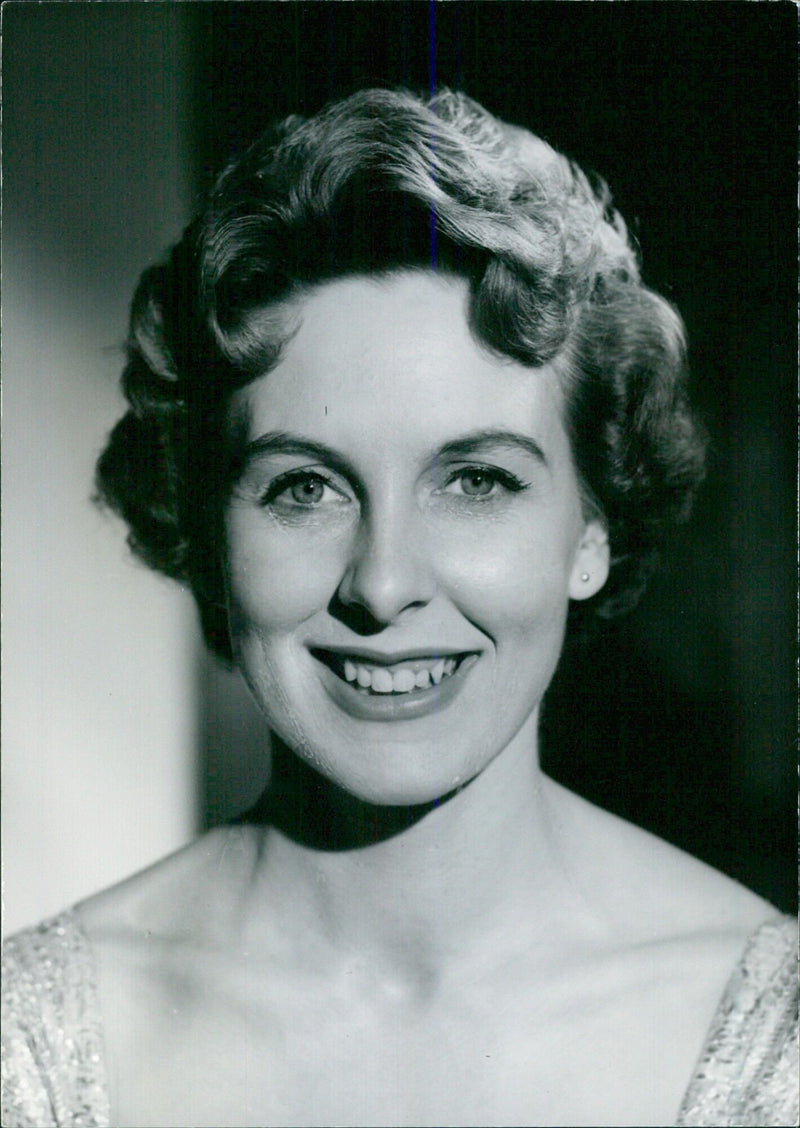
{"x":308,"y":491}
{"x":477,"y":483}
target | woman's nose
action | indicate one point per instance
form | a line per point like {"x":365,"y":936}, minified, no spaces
{"x":390,"y":570}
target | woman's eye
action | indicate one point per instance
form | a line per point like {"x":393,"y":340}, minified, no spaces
{"x":482,"y":482}
{"x":301,"y":491}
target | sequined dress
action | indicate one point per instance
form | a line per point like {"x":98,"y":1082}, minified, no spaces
{"x":54,"y":1069}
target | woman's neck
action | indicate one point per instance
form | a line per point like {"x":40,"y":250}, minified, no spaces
{"x":413,"y":891}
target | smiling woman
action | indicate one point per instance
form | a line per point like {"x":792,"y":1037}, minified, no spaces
{"x":403,"y":416}
{"x":445,"y":544}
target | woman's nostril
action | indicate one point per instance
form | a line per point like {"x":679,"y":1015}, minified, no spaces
{"x":354,"y":615}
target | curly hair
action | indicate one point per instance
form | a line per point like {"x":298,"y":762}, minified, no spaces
{"x":382,"y":181}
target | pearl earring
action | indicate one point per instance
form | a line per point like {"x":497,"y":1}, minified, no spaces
{"x":585,"y":577}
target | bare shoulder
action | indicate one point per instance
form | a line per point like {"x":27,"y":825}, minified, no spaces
{"x":189,"y":894}
{"x":652,"y":889}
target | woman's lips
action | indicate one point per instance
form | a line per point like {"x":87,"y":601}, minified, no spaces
{"x":402,"y":690}
{"x":401,"y":676}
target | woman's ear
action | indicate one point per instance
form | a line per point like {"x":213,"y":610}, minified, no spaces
{"x":592,"y":562}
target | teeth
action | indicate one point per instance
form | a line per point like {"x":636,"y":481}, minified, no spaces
{"x":402,"y":682}
{"x":383,"y":679}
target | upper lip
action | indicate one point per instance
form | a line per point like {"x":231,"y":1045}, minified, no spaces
{"x":382,"y":658}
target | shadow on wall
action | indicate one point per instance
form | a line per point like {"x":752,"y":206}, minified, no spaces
{"x":98,"y":691}
{"x":234,"y":744}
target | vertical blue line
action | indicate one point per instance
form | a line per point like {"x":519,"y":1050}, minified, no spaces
{"x":432,"y":46}
{"x":331,"y":50}
{"x":459,"y":76}
{"x":405,"y":43}
{"x":432,"y":85}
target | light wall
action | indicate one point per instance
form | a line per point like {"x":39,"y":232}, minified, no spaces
{"x":99,"y":656}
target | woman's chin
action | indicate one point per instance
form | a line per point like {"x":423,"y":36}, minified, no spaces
{"x":346,"y":808}
{"x":396,"y":787}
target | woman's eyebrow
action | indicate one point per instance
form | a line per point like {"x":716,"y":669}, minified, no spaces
{"x":281,"y":442}
{"x":475,"y":442}
{"x":478,"y":442}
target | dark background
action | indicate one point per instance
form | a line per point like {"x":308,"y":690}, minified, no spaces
{"x":682,"y":718}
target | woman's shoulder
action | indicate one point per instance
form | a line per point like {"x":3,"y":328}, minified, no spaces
{"x":55,"y":1061}
{"x":187,"y":895}
{"x":652,"y":890}
{"x":51,"y":1028}
{"x":730,"y":951}
{"x":748,"y":1071}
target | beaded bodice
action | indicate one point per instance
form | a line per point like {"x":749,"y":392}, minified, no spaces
{"x":53,"y":1060}
{"x":748,"y":1071}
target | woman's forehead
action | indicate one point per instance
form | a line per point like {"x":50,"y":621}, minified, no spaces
{"x":393,"y":352}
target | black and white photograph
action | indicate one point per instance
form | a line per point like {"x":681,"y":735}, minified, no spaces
{"x":399,"y":555}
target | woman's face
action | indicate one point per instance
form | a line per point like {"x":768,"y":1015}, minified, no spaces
{"x":402,"y":539}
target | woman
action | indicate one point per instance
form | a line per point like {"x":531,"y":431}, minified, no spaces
{"x":403,"y":416}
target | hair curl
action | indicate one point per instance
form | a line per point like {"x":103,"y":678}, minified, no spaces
{"x":380,"y":181}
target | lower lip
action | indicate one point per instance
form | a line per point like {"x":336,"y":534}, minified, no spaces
{"x":395,"y":706}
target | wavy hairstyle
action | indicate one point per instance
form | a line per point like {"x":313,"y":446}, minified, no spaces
{"x":382,"y":181}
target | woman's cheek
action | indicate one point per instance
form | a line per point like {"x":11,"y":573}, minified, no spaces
{"x":277,"y":578}
{"x":508,"y":579}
